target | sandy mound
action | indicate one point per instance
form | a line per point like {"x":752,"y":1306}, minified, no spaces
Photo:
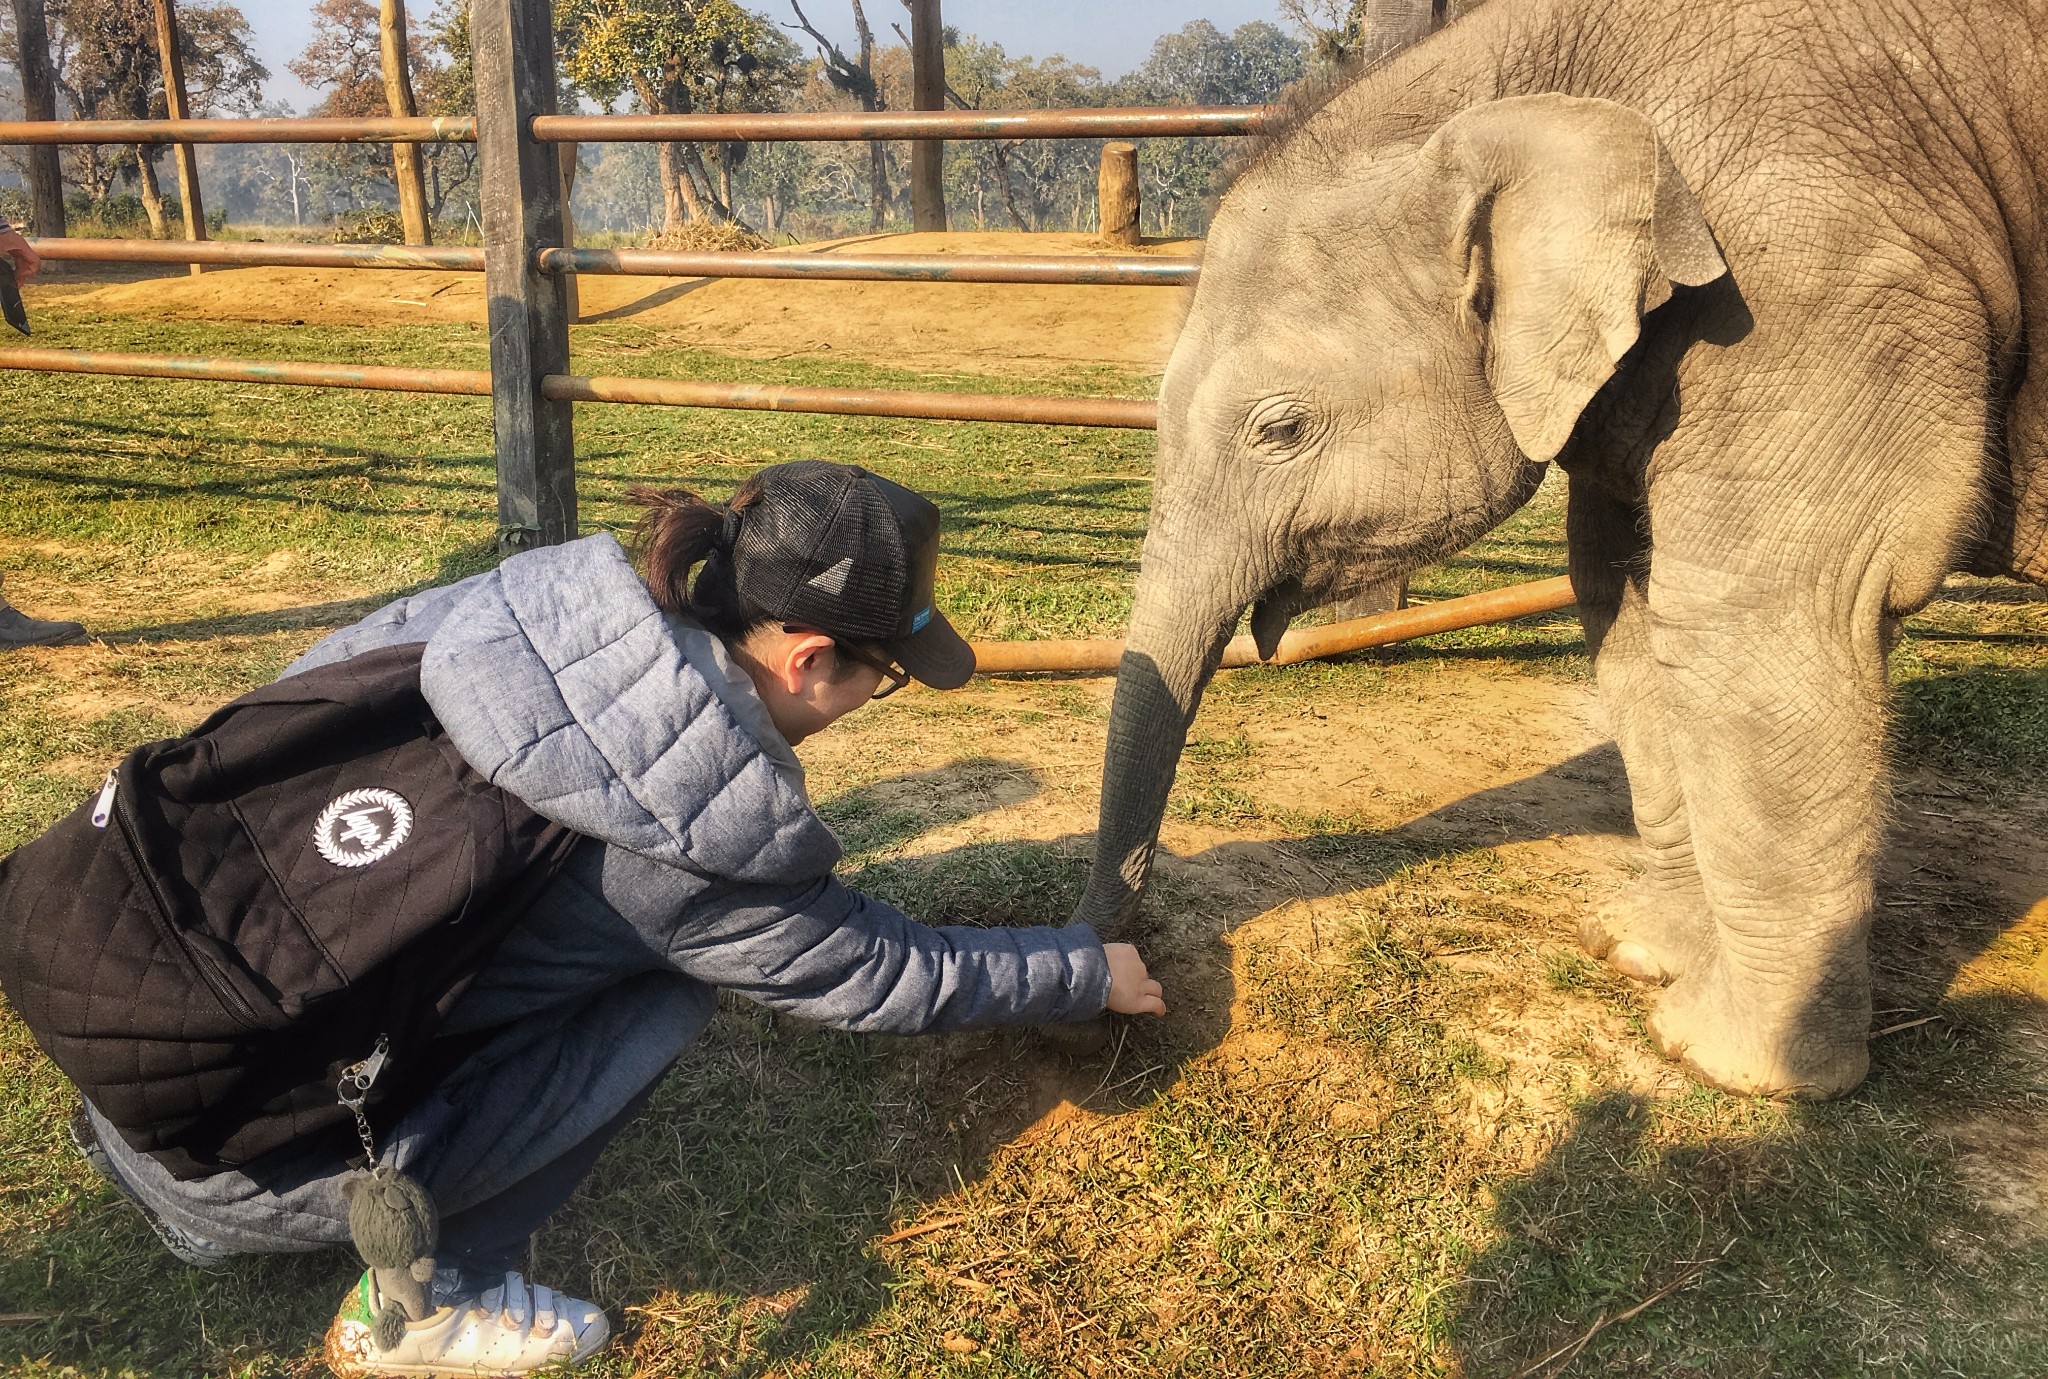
{"x":970,"y":326}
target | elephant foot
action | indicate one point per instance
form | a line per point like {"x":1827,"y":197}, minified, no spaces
{"x":1653,"y":934}
{"x":1712,"y":1023}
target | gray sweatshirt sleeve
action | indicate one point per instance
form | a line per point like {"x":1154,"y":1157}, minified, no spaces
{"x":828,"y":953}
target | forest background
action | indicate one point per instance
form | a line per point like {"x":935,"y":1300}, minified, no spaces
{"x":648,"y":56}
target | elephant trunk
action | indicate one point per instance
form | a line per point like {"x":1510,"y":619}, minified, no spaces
{"x":1170,"y":653}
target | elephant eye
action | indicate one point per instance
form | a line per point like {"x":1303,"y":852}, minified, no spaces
{"x":1281,"y":427}
{"x":1281,"y":434}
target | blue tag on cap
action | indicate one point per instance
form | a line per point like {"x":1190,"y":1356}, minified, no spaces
{"x":917,"y":623}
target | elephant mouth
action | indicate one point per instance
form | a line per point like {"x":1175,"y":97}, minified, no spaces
{"x":1275,"y":609}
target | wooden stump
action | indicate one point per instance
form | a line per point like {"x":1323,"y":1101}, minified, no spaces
{"x":1117,"y":189}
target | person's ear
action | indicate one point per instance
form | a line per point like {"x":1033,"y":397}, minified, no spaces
{"x":805,"y":659}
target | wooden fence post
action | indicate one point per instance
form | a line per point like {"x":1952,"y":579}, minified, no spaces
{"x":179,"y":107}
{"x":513,"y":47}
{"x":1117,"y":190}
{"x":39,"y":102}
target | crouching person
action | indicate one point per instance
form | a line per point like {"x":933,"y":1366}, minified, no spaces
{"x":388,"y":951}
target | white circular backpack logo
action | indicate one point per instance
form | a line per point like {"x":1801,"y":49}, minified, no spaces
{"x":362,"y":827}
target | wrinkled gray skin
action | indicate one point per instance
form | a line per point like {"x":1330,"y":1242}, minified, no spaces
{"x":1758,"y":276}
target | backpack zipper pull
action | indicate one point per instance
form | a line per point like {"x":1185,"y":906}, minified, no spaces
{"x":354,"y":1089}
{"x":103,"y":807}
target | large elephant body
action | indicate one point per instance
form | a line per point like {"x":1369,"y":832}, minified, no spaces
{"x":1760,"y":277}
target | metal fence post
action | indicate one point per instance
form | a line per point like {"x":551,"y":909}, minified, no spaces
{"x":513,"y":46}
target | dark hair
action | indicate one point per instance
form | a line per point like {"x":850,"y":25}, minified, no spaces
{"x":679,"y":532}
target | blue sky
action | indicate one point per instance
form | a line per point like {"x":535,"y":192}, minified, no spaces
{"x":1113,"y":35}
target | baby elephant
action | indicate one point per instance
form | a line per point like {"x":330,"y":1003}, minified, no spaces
{"x":1759,"y":278}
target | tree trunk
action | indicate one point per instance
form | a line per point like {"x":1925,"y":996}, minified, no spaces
{"x":39,"y":102}
{"x":152,"y":196}
{"x":405,"y":158}
{"x":699,"y":189}
{"x":878,"y":184}
{"x":179,"y":107}
{"x":928,"y":92}
{"x":1002,"y":157}
{"x":668,"y":162}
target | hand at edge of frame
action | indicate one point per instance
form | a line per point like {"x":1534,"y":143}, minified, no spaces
{"x":26,"y":259}
{"x":1131,"y":991}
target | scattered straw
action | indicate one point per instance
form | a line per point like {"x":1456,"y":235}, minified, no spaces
{"x":705,"y":236}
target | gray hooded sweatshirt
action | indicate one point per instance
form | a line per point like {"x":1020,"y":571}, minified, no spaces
{"x":704,"y":866}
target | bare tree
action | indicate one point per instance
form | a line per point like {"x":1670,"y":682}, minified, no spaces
{"x":395,"y":53}
{"x":857,"y":79}
{"x":39,"y":101}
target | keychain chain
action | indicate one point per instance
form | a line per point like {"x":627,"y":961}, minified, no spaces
{"x":354,"y":1089}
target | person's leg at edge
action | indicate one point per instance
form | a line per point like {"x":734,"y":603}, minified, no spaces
{"x":18,"y":629}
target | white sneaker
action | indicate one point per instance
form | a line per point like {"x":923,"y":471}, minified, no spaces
{"x":514,"y":1328}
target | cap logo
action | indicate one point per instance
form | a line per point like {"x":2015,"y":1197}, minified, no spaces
{"x":833,"y":581}
{"x":362,"y":827}
{"x":917,"y":623}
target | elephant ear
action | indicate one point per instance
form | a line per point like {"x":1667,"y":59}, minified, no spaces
{"x":1572,"y":223}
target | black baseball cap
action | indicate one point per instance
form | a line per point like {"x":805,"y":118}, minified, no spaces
{"x":835,"y":548}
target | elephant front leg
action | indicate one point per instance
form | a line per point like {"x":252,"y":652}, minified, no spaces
{"x":1776,"y":720}
{"x":1658,"y":927}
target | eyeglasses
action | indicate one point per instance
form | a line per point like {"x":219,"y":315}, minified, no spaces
{"x":893,"y":676}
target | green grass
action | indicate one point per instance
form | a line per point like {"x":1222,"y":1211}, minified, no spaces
{"x":1396,"y":1126}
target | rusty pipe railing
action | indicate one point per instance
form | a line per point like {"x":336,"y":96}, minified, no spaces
{"x":1109,"y":122}
{"x":747,"y":397}
{"x":1304,"y":644}
{"x":424,"y":129}
{"x":1129,"y":413}
{"x":246,"y":254}
{"x":1112,"y":122}
{"x":1114,"y":270}
{"x":458,"y":382}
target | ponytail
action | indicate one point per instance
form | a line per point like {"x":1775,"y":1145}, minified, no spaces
{"x":679,"y":532}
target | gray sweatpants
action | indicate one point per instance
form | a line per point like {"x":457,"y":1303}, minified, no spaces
{"x":587,"y":1017}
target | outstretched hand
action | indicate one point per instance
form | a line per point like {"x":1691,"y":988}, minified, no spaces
{"x":1131,"y":991}
{"x":26,"y":260}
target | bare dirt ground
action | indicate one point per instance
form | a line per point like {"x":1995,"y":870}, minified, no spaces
{"x":966,"y":326}
{"x":1509,"y":792}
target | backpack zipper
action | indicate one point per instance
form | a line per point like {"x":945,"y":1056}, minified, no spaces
{"x":103,"y":807}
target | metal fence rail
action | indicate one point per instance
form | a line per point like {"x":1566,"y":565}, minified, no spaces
{"x":376,"y":378}
{"x":1108,"y":270}
{"x":1112,"y":270}
{"x":1128,"y":413}
{"x":247,"y":254}
{"x":422,"y":129}
{"x":1106,"y":122}
{"x":1124,"y":413}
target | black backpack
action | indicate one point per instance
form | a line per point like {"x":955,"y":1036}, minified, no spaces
{"x":249,"y":909}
